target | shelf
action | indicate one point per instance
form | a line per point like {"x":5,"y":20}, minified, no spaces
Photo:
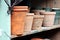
{"x":43,"y":29}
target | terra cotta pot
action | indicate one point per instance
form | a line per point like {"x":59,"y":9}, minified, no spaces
{"x":48,"y":18}
{"x":37,"y":23}
{"x":28,"y":22}
{"x":36,"y":39}
{"x":18,"y":19}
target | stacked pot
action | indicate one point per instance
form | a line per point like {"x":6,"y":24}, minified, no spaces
{"x":33,"y":22}
{"x":49,"y":17}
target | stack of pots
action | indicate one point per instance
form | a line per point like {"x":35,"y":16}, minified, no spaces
{"x":18,"y":19}
{"x":48,"y":17}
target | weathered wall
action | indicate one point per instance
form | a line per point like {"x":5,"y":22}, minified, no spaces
{"x":47,"y":3}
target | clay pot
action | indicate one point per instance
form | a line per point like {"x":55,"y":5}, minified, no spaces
{"x":37,"y":12}
{"x":20,"y":7}
{"x":36,"y":39}
{"x":48,"y":18}
{"x":28,"y":22}
{"x":46,"y":39}
{"x":37,"y":23}
{"x":18,"y":19}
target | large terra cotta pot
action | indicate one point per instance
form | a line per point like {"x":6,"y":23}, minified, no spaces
{"x":18,"y":19}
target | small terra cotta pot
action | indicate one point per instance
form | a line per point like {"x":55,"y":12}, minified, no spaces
{"x":48,"y":18}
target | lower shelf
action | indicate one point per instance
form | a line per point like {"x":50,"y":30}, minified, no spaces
{"x":43,"y":29}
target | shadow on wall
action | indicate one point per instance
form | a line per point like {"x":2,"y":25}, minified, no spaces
{"x":24,"y":3}
{"x":43,"y":3}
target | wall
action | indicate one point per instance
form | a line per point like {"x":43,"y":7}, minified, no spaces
{"x":47,"y":3}
{"x":57,"y":3}
{"x":53,"y":3}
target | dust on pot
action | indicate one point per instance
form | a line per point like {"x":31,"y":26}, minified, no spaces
{"x":48,"y":18}
{"x":37,"y":23}
{"x":28,"y":22}
{"x":17,"y":20}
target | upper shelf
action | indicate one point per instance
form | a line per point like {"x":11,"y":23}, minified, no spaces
{"x":41,"y":30}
